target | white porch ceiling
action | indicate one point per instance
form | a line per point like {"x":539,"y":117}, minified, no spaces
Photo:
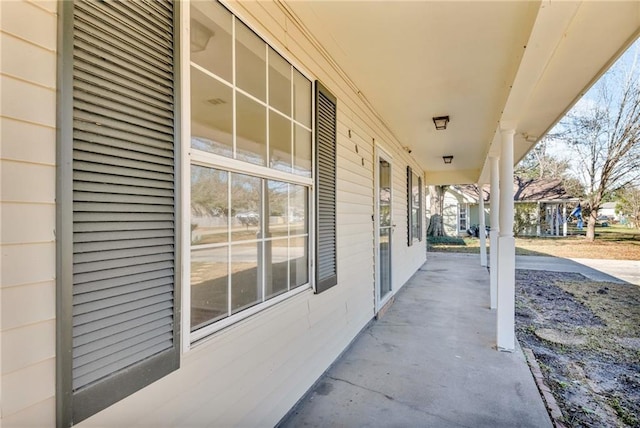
{"x":482,"y":63}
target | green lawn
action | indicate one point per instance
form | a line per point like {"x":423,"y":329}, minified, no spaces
{"x":614,"y":242}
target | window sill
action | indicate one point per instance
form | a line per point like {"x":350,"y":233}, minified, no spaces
{"x":202,"y":335}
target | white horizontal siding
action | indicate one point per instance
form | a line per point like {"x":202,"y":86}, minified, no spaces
{"x":22,"y":141}
{"x":28,"y":345}
{"x":406,"y":259}
{"x":252,"y":372}
{"x":28,"y":37}
{"x":40,"y":414}
{"x":32,"y":21}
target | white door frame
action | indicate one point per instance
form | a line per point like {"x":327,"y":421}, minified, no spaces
{"x":380,"y":301}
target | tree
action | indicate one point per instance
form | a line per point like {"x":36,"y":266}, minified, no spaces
{"x":539,"y":163}
{"x":436,"y":224}
{"x":525,"y":216}
{"x":603,"y":130}
{"x":628,"y":205}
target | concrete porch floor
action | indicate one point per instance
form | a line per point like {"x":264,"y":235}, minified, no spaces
{"x":429,"y":362}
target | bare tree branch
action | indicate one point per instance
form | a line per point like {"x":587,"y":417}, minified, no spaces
{"x":604,"y":132}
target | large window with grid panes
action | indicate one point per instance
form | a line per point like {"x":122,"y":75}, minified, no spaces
{"x":250,"y":171}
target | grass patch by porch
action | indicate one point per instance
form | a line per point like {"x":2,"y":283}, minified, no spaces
{"x":612,"y":243}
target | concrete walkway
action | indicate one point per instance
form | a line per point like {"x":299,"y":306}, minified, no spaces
{"x":599,"y":270}
{"x":429,"y":362}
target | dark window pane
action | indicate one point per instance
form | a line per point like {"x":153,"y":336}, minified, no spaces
{"x":209,"y":286}
{"x":209,"y":206}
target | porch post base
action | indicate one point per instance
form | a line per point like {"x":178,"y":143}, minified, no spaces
{"x":494,"y":266}
{"x":506,"y":294}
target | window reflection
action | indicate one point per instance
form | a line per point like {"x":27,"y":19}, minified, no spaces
{"x":251,"y":64}
{"x":301,"y":99}
{"x":276,"y":258}
{"x":302,"y":151}
{"x":279,"y":142}
{"x":211,"y":114}
{"x":384,"y":178}
{"x":415,"y":206}
{"x":246,"y":278}
{"x":209,"y":205}
{"x":210,"y":35}
{"x":209,"y":286}
{"x":385,"y":261}
{"x":278,"y":207}
{"x":249,"y":234}
{"x":261,"y":265}
{"x":251,"y":130}
{"x":298,"y":261}
{"x":298,"y":210}
{"x":246,"y":195}
{"x":214,"y":105}
{"x":279,"y":83}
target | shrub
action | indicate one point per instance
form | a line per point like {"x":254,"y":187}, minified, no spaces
{"x":445,"y":240}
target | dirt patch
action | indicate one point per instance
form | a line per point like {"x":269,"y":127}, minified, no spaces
{"x":585,"y":335}
{"x":560,"y":337}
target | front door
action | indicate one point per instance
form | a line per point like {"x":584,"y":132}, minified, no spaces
{"x":384,"y":232}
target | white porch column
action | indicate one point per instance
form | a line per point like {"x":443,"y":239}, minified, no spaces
{"x":482,"y":226}
{"x":495,"y":230}
{"x":564,"y":219}
{"x":506,"y":248}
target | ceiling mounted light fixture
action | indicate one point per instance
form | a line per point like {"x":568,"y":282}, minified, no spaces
{"x":447,"y":159}
{"x":441,"y":122}
{"x":200,"y":36}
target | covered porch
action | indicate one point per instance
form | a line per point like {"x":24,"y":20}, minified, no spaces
{"x":469,"y":88}
{"x":429,"y":361}
{"x":107,"y":105}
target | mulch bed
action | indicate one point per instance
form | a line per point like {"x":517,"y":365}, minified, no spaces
{"x":585,"y":336}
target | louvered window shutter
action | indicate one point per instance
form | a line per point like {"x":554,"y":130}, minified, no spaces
{"x":409,"y":206}
{"x":123,"y":308}
{"x":326,"y":260}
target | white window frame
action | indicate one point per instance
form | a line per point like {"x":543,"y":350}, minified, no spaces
{"x":463,"y":208}
{"x":191,"y":156}
{"x":416,"y":237}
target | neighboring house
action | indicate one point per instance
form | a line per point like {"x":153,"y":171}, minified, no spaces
{"x":548,"y":201}
{"x":200,"y":199}
{"x":460,"y":210}
{"x":608,"y":209}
